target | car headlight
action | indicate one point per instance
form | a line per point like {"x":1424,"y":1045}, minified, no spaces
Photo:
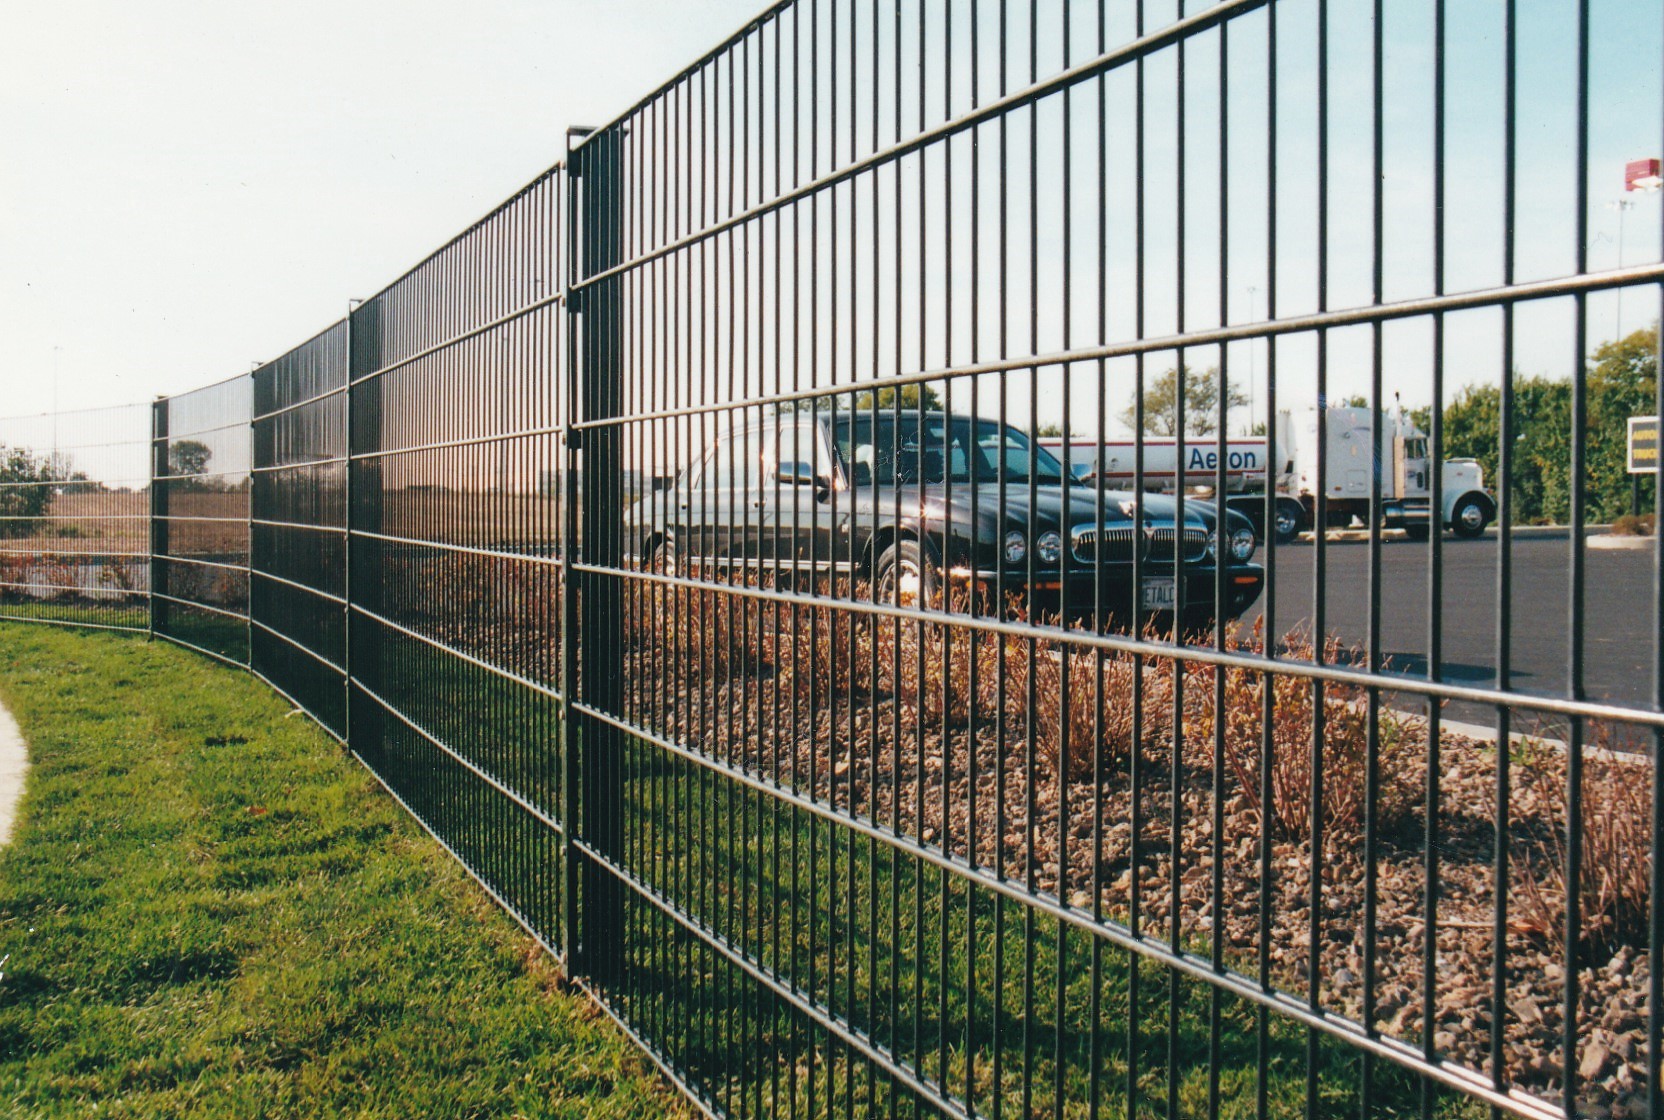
{"x":1015,"y":547}
{"x":1211,"y":549}
{"x":1242,"y":544}
{"x":1049,"y":548}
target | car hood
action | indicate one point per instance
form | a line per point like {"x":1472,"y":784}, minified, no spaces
{"x":1048,"y":506}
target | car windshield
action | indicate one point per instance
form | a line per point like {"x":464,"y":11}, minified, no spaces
{"x":885,"y":450}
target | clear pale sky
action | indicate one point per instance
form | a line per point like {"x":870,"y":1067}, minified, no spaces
{"x":188,"y":186}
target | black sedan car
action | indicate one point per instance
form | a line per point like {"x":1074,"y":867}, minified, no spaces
{"x":922,"y":505}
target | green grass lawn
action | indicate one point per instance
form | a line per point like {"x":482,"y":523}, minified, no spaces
{"x":207,"y":909}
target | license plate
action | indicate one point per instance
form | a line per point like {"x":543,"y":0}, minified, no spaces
{"x":1157,"y":595}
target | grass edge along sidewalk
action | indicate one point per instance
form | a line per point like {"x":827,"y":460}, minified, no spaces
{"x":207,"y":908}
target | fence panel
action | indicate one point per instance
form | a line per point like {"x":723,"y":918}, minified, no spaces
{"x":74,"y":517}
{"x":201,"y":511}
{"x":298,"y":543}
{"x":458,"y":507}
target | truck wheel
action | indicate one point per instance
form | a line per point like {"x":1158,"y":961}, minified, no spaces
{"x":1470,"y":517}
{"x":1288,"y":522}
{"x":906,"y":575}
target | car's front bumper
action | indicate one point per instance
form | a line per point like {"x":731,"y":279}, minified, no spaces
{"x":1110,"y":594}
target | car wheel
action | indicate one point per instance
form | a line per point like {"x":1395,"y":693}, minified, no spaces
{"x":1469,"y":517}
{"x":1418,"y":532}
{"x":662,"y":561}
{"x":907,"y":575}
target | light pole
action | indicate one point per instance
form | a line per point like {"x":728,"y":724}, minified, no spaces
{"x":56,"y":350}
{"x":1620,"y":205}
{"x":1253,"y":346}
{"x":1646,"y":176}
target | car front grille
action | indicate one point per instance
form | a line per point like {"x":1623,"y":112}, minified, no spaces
{"x":1119,"y":542}
{"x":1161,"y":543}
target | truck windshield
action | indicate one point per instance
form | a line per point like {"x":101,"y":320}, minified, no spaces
{"x":887,"y":451}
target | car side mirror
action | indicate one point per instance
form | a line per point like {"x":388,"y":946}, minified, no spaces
{"x":798,"y":474}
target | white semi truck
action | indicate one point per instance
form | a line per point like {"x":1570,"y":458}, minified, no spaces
{"x":1402,"y":448}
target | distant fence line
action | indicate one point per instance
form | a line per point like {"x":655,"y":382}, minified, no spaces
{"x":582,"y":537}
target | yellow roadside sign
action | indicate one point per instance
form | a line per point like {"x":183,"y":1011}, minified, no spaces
{"x":1643,"y":445}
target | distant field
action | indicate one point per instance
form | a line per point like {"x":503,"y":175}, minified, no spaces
{"x":105,"y":520}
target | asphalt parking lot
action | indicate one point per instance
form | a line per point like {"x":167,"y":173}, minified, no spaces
{"x":1620,"y":621}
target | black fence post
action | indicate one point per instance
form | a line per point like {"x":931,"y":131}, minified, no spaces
{"x":347,"y":503}
{"x":596,"y":489}
{"x":158,"y":515}
{"x":570,"y":463}
{"x":363,"y":583}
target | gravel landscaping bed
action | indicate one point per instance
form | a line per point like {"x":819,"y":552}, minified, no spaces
{"x":846,"y":718}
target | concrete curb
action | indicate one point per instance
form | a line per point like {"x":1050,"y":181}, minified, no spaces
{"x":1593,"y":533}
{"x":1615,"y":542}
{"x":14,"y":763}
{"x":1486,"y":733}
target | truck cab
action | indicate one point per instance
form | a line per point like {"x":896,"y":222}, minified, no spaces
{"x":1353,"y":450}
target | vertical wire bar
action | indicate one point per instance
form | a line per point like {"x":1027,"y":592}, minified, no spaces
{"x":1435,"y":583}
{"x":875,"y":1010}
{"x":1031,"y":705}
{"x":1319,"y":565}
{"x":1001,"y":682}
{"x":1268,"y":681}
{"x":1135,"y":608}
{"x":852,"y":886}
{"x":1575,"y":600}
{"x":1222,"y":555}
{"x":1175,"y":775}
{"x":972,"y":776}
{"x":946,"y":780}
{"x":1372,"y":747}
{"x":1064,"y":651}
{"x":1096,"y":1009}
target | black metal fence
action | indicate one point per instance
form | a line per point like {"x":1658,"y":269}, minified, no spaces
{"x":678,"y":546}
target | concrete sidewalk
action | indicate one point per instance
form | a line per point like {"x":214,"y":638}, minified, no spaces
{"x":14,"y":762}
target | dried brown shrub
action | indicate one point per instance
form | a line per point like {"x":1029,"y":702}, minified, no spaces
{"x":709,"y":636}
{"x":942,"y":673}
{"x":1615,"y":871}
{"x":1341,"y":752}
{"x":1084,"y":706}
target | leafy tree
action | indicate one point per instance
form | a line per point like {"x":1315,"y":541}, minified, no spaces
{"x":1050,"y":431}
{"x":188,"y":457}
{"x":23,"y":495}
{"x":78,"y":483}
{"x":911,"y":396}
{"x":1541,"y":471}
{"x":1622,"y":381}
{"x":1201,"y":403}
{"x":1541,"y":467}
